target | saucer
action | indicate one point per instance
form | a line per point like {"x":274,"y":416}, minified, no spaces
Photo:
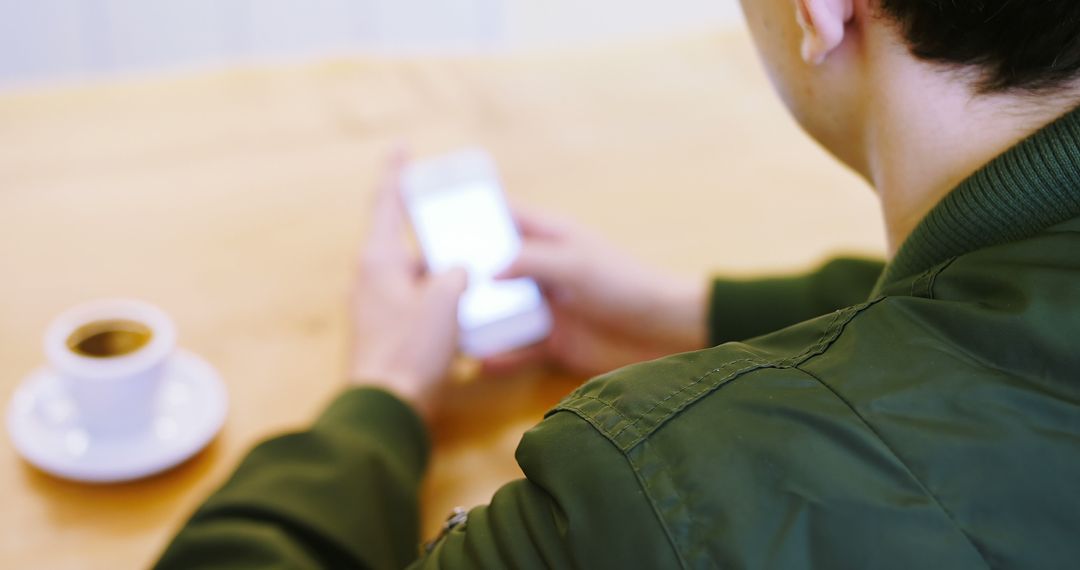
{"x":190,"y":410}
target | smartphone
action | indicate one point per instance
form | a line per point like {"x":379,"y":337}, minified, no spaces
{"x":461,"y":219}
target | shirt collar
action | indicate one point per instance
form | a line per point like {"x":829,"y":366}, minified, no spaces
{"x":1030,"y":187}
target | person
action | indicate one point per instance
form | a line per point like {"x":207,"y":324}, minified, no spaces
{"x":921,"y":414}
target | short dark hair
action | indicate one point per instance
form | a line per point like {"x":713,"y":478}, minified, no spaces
{"x":1025,"y":45}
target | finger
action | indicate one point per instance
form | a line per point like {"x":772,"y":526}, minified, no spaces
{"x":548,"y":264}
{"x":386,"y":244}
{"x":533,"y":223}
{"x":439,"y":308}
{"x":445,"y":289}
{"x":388,"y":206}
{"x":589,"y":351}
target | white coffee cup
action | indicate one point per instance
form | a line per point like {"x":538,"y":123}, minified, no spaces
{"x":114,"y":393}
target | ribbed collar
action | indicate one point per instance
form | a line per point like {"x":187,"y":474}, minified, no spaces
{"x":1033,"y":186}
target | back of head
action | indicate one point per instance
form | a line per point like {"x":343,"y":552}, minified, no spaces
{"x":1009,"y":45}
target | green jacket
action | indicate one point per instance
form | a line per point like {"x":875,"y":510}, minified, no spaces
{"x":928,"y":420}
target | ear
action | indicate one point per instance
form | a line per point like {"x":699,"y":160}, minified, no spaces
{"x":823,"y":23}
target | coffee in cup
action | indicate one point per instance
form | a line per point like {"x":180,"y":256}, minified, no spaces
{"x":109,"y":339}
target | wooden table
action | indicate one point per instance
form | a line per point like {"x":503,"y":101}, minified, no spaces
{"x":235,"y":200}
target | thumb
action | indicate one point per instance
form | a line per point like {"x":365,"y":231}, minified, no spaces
{"x":548,"y":264}
{"x":447,"y":287}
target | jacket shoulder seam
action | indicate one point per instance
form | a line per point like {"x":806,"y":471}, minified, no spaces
{"x":923,"y":286}
{"x":646,"y":491}
{"x":628,"y":431}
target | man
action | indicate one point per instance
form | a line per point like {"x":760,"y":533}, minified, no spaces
{"x":930,"y":418}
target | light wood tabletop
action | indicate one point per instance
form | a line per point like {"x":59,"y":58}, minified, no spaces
{"x":236,"y":200}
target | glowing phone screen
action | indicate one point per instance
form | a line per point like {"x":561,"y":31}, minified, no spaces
{"x":469,"y":226}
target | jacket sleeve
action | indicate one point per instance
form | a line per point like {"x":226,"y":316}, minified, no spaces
{"x":344,"y":495}
{"x":740,"y":310}
{"x":581,"y":505}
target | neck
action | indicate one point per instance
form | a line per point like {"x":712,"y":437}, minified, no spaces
{"x":926,"y":132}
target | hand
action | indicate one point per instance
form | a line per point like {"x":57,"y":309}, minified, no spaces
{"x":404,"y":321}
{"x":609,"y":310}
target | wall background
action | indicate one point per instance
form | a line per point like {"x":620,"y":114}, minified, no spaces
{"x":45,"y":41}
